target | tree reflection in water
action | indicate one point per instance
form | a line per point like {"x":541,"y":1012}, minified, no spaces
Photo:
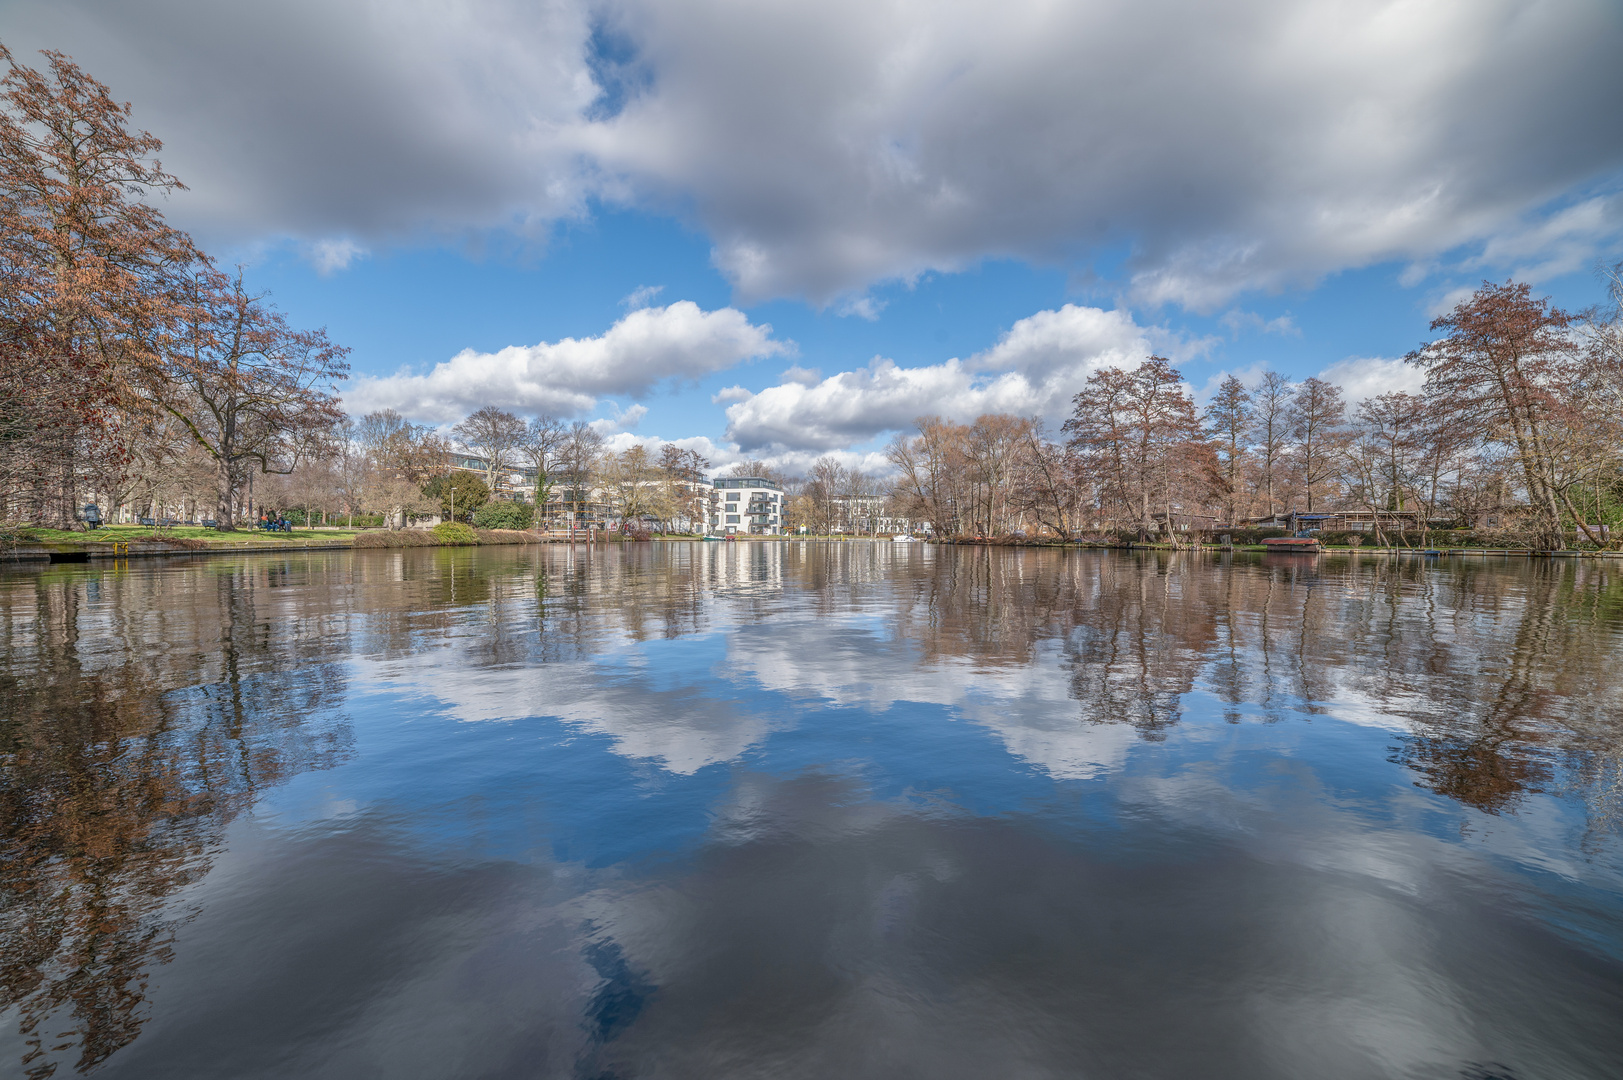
{"x":146,"y":710}
{"x":141,"y":718}
{"x":1505,"y":677}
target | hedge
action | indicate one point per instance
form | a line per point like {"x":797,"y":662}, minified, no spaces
{"x":396,"y":538}
{"x":454,"y":533}
{"x":502,"y":514}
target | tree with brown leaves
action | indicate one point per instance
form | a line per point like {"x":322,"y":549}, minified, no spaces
{"x":87,"y":271}
{"x":1138,"y":430}
{"x":1503,"y":369}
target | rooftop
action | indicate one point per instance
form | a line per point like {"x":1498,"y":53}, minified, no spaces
{"x":746,"y":482}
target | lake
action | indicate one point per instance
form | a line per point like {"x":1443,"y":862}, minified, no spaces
{"x":812,"y":810}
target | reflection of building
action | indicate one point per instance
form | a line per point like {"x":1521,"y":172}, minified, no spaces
{"x":746,"y":504}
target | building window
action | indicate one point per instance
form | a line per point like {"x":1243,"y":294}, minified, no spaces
{"x":732,"y":496}
{"x":732,"y":519}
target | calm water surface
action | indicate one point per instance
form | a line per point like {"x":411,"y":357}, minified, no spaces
{"x":721,"y":811}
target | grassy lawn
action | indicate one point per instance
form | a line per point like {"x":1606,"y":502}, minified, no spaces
{"x":108,"y":534}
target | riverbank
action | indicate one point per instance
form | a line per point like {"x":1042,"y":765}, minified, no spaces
{"x":1259,"y":549}
{"x":45,"y":546}
{"x":128,"y":541}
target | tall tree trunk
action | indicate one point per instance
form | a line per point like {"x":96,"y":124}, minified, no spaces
{"x":223,"y":510}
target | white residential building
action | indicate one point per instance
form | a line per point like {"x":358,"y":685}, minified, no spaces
{"x":746,"y":504}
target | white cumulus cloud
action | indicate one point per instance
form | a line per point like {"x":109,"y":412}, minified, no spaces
{"x":1035,"y":368}
{"x":1361,"y":377}
{"x":646,"y":347}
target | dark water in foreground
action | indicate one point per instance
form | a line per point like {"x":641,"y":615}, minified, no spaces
{"x":724,"y":811}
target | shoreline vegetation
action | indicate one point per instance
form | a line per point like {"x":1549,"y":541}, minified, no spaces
{"x":44,"y":546}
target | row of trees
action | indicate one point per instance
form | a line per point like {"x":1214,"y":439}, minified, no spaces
{"x":1520,"y":425}
{"x":386,"y":469}
{"x":128,"y":361}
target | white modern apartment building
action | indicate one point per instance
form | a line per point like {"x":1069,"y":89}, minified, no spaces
{"x":746,"y":504}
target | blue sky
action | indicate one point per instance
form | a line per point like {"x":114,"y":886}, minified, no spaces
{"x":784,"y":230}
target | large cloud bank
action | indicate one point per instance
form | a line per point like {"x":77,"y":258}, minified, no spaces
{"x":829,"y":145}
{"x":644,"y":348}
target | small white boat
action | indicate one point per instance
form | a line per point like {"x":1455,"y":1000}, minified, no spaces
{"x":903,"y":538}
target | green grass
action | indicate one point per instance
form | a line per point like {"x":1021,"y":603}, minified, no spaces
{"x":108,"y":534}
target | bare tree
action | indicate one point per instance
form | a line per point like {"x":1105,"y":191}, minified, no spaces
{"x":992,"y":449}
{"x":1270,"y":411}
{"x":249,"y":388}
{"x":1229,"y":421}
{"x":930,"y":466}
{"x":578,"y":460}
{"x":400,"y":458}
{"x":1316,"y":414}
{"x":753,"y":467}
{"x":825,"y":483}
{"x":542,"y":446}
{"x":1046,"y":486}
{"x":631,"y":481}
{"x":1384,"y":455}
{"x":494,"y":435}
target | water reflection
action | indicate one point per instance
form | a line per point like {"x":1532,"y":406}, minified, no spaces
{"x":142,"y":714}
{"x":800,"y":809}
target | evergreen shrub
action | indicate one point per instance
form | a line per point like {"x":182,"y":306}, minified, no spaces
{"x":503,"y":514}
{"x":454,"y":532}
